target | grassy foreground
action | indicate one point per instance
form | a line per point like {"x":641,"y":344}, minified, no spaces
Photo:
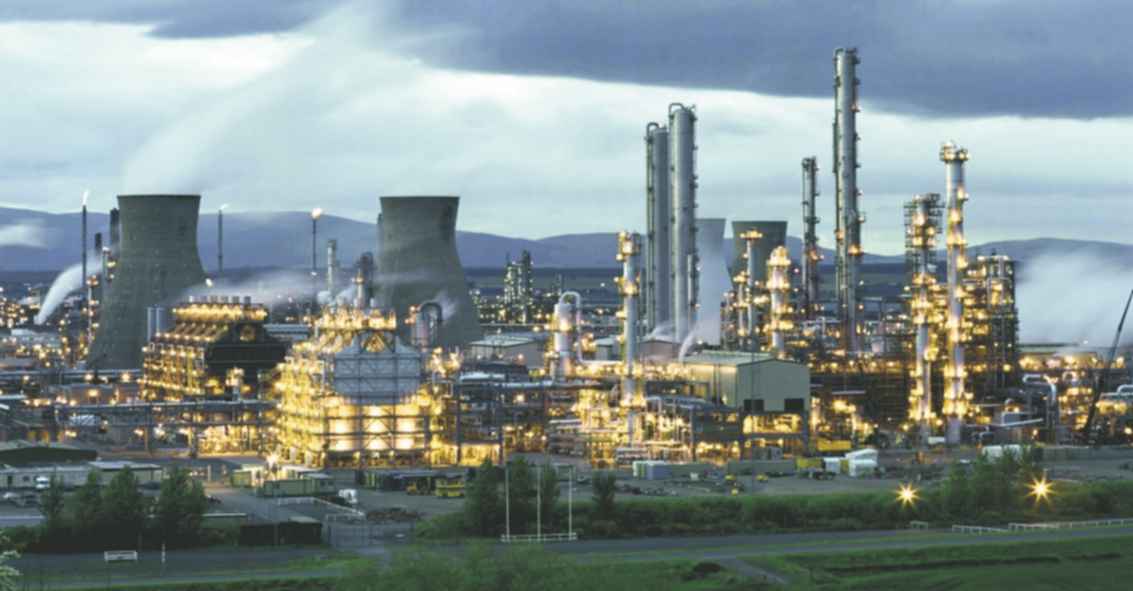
{"x":1080,"y":565}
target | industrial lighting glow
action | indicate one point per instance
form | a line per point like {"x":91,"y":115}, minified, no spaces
{"x":907,"y":494}
{"x":1041,"y":489}
{"x":316,"y":213}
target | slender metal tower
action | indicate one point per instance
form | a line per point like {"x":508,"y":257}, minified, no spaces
{"x":658,"y":244}
{"x":779,"y":307}
{"x":922,"y":221}
{"x":85,"y":308}
{"x":956,"y":397}
{"x":682,"y":175}
{"x":220,"y":241}
{"x":811,"y":256}
{"x":629,"y":249}
{"x":849,"y":217}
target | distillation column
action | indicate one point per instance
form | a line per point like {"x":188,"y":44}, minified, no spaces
{"x":659,"y":213}
{"x":566,"y":321}
{"x":779,"y":286}
{"x":955,"y":396}
{"x":682,"y":172}
{"x":848,"y":232}
{"x":811,"y":255}
{"x":922,"y":242}
{"x":749,"y":297}
{"x":629,"y":249}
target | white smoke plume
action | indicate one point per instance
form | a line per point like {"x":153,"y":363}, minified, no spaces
{"x":267,"y":287}
{"x":449,"y":305}
{"x":661,"y":331}
{"x":700,"y":333}
{"x":71,"y":279}
{"x":30,"y":233}
{"x":1072,"y":299}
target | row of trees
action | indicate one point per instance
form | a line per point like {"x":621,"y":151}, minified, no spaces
{"x":120,"y":516}
{"x":532,"y":497}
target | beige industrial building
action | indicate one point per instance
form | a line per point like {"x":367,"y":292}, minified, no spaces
{"x":754,"y":382}
{"x":526,"y":351}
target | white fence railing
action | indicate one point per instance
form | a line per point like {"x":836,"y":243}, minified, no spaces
{"x":539,"y":538}
{"x":282,"y":502}
{"x":1069,"y":524}
{"x":120,"y":556}
{"x":977,"y":529}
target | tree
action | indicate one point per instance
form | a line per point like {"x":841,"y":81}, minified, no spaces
{"x":180,"y":508}
{"x":9,"y":576}
{"x":482,"y":513}
{"x":548,"y":495}
{"x":605,"y":487}
{"x":88,"y":507}
{"x":957,"y":491}
{"x":983,"y":483}
{"x":521,"y":495}
{"x":124,"y":509}
{"x":52,"y":507}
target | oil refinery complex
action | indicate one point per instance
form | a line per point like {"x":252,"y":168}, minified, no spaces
{"x":702,"y":357}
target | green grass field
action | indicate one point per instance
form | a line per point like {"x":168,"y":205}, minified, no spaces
{"x":1079,"y":565}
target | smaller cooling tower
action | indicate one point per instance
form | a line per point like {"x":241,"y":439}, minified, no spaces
{"x":714,"y":280}
{"x":157,"y":261}
{"x":774,"y":234}
{"x":418,"y":262}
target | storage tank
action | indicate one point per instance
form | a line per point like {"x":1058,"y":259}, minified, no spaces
{"x":157,"y":262}
{"x":418,"y":262}
{"x":774,"y":235}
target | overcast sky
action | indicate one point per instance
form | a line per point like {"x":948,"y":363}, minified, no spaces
{"x":534,"y":111}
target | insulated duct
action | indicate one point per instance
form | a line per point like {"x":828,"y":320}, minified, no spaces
{"x":418,"y":262}
{"x":156,"y":262}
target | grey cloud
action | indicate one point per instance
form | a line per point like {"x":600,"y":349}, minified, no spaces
{"x":176,"y":18}
{"x":1042,"y":58}
{"x":928,"y":57}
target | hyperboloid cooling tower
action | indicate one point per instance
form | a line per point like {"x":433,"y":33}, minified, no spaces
{"x":774,"y":235}
{"x":714,"y":280}
{"x":418,"y":262}
{"x":157,"y":263}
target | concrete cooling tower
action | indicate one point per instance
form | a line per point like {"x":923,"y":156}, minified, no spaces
{"x":774,"y":234}
{"x":157,"y":263}
{"x":417,"y":262}
{"x":714,"y":280}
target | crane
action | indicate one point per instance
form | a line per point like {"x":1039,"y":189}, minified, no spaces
{"x":1087,"y":430}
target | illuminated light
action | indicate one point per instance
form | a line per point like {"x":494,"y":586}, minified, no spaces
{"x":1041,"y":489}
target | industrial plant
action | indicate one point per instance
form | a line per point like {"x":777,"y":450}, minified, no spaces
{"x":705,"y":349}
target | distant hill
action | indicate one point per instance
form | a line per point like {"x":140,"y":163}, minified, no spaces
{"x":37,"y":241}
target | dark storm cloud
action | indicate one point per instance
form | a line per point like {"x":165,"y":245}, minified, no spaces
{"x":929,"y":57}
{"x":176,"y":18}
{"x":1052,"y":58}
